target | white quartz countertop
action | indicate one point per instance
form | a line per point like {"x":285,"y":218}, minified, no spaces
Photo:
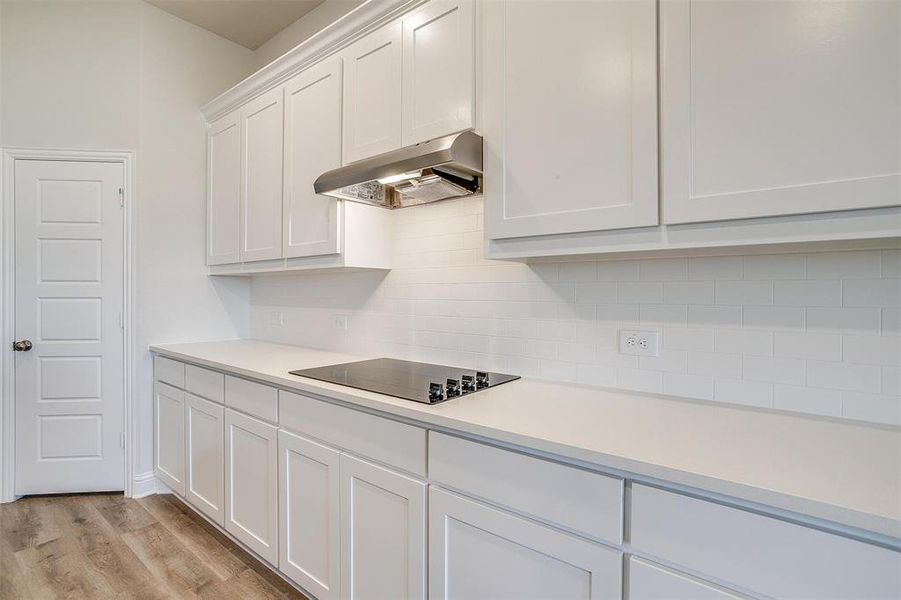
{"x":842,"y":472}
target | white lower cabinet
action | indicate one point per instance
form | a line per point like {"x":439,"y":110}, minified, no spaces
{"x":169,"y":436}
{"x":251,"y":483}
{"x":308,"y":514}
{"x":383,"y":551}
{"x":476,"y":551}
{"x":205,"y":456}
{"x":648,"y":581}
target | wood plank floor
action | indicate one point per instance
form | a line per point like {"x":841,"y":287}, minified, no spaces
{"x":109,"y":546}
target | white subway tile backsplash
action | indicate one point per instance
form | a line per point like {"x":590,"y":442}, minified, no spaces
{"x":872,"y":407}
{"x":744,"y":341}
{"x":807,"y":400}
{"x":816,"y":346}
{"x":715,"y":267}
{"x":773,"y":370}
{"x":843,"y":376}
{"x":844,"y":265}
{"x":763,"y":330}
{"x":737,"y":391}
{"x":873,"y":292}
{"x":688,"y":386}
{"x":843,"y":320}
{"x":808,"y":293}
{"x":744,"y":292}
{"x":775,"y":266}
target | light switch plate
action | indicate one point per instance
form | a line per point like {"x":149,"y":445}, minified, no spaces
{"x":639,"y":343}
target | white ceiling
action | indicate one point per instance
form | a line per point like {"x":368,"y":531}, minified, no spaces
{"x":246,"y":22}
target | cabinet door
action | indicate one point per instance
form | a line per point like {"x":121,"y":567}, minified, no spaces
{"x":224,"y":190}
{"x":205,"y":456}
{"x":439,"y":70}
{"x":775,"y":108}
{"x":251,"y":483}
{"x":261,"y":212}
{"x":382,"y":533}
{"x":372,"y":94}
{"x":312,"y":147}
{"x":308,"y":514}
{"x":476,"y":551}
{"x":570,"y":116}
{"x":169,"y":436}
{"x":648,"y":581}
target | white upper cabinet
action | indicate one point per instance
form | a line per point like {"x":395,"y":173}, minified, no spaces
{"x":261,"y":211}
{"x":775,"y":108}
{"x":570,"y":116}
{"x":438,"y":71}
{"x":224,"y":190}
{"x":312,"y":147}
{"x":372,"y":94}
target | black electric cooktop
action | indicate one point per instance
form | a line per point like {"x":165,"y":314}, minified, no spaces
{"x":420,"y":382}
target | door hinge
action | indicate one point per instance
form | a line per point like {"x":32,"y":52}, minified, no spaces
{"x":121,"y":197}
{"x":122,"y":440}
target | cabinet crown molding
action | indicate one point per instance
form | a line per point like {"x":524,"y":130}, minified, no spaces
{"x":364,"y":19}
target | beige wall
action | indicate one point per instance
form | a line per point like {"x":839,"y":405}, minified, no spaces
{"x":303,"y":28}
{"x":126,"y":76}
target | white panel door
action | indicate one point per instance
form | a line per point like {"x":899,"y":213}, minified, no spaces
{"x":648,"y":581}
{"x":224,"y":190}
{"x":372,"y":94}
{"x":312,"y":147}
{"x":308,"y":514}
{"x":70,"y":387}
{"x":205,"y":456}
{"x":261,"y":209}
{"x":439,"y":70}
{"x":382,"y":533}
{"x":169,"y":436}
{"x":775,"y":108}
{"x":476,"y":551}
{"x":251,"y":483}
{"x":570,"y":116}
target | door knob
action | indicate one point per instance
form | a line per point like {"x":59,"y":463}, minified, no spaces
{"x":22,"y":346}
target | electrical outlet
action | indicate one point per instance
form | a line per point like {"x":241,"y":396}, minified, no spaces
{"x":639,"y":343}
{"x":276,"y":318}
{"x":340,"y":322}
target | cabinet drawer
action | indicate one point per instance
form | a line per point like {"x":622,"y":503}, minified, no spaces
{"x":759,"y":553}
{"x":383,"y":440}
{"x":572,"y":498}
{"x":252,"y":398}
{"x":169,"y":371}
{"x":205,"y":383}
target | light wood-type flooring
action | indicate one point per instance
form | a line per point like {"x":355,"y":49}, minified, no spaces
{"x":109,"y":546}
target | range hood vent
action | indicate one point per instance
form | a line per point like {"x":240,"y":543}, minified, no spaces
{"x":447,"y":167}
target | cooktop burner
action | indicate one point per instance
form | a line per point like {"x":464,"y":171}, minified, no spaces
{"x":420,"y":382}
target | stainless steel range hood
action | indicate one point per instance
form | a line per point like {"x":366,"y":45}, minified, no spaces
{"x":447,"y":167}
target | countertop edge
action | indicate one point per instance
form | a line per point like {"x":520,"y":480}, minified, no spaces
{"x":871,"y":527}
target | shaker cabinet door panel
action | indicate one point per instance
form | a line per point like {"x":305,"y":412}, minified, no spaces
{"x":205,"y":456}
{"x":251,"y":483}
{"x":570,"y":116}
{"x":648,"y":581}
{"x":476,"y":551}
{"x":312,"y":147}
{"x":309,"y":547}
{"x":261,"y":213}
{"x":169,"y":436}
{"x":439,"y":70}
{"x":372,"y":94}
{"x":382,"y":533}
{"x":778,"y":108}
{"x":224,"y":190}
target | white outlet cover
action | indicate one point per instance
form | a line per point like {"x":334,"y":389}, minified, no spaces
{"x":639,"y":343}
{"x":341,"y":322}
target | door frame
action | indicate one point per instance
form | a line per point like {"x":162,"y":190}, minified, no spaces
{"x":8,"y":305}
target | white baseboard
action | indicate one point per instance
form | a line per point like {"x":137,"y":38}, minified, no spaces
{"x":144,"y":484}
